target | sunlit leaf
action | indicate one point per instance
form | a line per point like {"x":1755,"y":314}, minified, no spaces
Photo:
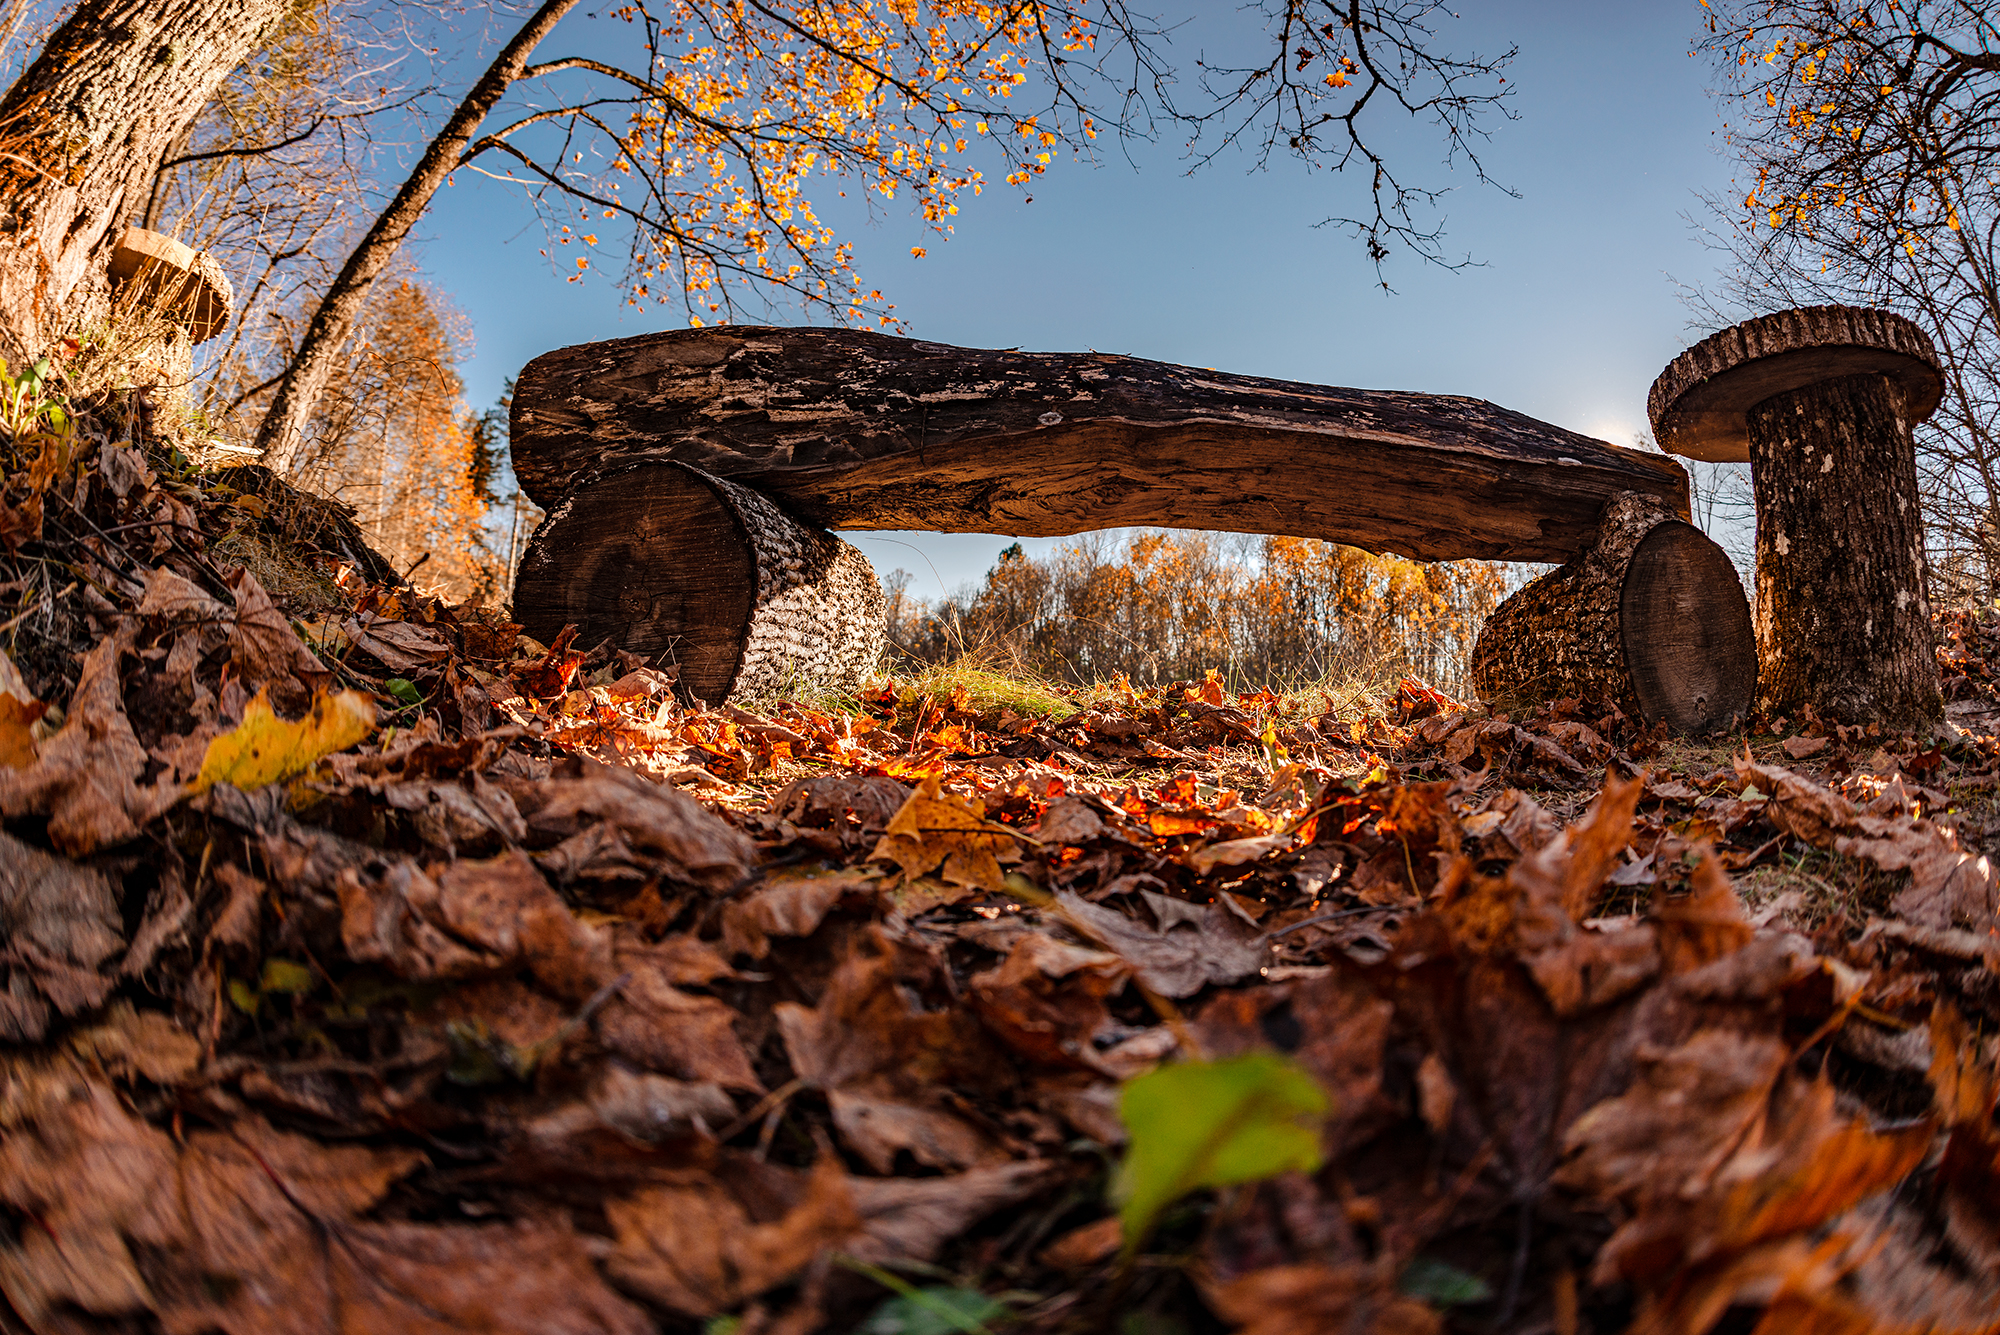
{"x":264,"y":748}
{"x":1210,"y":1124}
{"x":936,"y":828}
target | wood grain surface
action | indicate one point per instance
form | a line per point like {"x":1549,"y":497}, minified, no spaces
{"x":848,"y":429}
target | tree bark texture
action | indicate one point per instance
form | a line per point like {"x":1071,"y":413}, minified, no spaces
{"x":1651,"y":618}
{"x":849,"y":429}
{"x":1843,"y":610}
{"x":82,"y":133}
{"x":685,"y":568}
{"x":283,"y":429}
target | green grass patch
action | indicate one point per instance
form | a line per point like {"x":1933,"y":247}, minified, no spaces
{"x":988,"y":691}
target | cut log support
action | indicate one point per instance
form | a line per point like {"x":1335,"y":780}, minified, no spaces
{"x":1820,"y":401}
{"x":1651,"y":618}
{"x":847,"y":429}
{"x":688,"y":569}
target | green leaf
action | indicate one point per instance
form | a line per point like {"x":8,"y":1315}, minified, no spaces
{"x":937,"y":1310}
{"x":403,"y":690}
{"x":287,"y":976}
{"x":1445,"y":1285}
{"x":1210,"y":1124}
{"x":722,"y":1325}
{"x":1151,"y":1323}
{"x":243,"y":996}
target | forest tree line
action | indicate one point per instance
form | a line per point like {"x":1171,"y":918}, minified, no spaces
{"x":1160,"y":606}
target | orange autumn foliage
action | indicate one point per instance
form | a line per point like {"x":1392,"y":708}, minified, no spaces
{"x":394,"y":439}
{"x":1164,"y":605}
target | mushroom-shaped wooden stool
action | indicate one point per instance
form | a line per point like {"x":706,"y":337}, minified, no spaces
{"x":156,"y":274}
{"x":185,"y":284}
{"x":1820,"y":402}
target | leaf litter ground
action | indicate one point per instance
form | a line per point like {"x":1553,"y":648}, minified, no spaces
{"x":369,"y":967}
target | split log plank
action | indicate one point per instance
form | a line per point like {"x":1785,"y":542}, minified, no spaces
{"x":849,"y":429}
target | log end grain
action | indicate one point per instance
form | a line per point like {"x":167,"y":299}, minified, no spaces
{"x":1651,"y":618}
{"x":693,"y":571}
{"x":655,"y":558}
{"x":1684,"y":624}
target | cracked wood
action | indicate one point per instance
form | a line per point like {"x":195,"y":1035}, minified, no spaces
{"x":848,"y":429}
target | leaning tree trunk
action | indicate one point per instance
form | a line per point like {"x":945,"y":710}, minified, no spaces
{"x":83,"y":131}
{"x":1651,"y":618}
{"x":283,"y":429}
{"x":1843,"y":613}
{"x":688,"y":569}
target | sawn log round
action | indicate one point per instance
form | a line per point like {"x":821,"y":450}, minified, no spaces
{"x":1651,"y":618}
{"x":692,"y":571}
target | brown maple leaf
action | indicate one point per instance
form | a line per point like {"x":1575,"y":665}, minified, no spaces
{"x":887,"y":1065}
{"x":85,"y":779}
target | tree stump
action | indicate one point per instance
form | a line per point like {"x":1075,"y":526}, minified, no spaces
{"x":1652,"y":618}
{"x":688,"y":569}
{"x":1820,"y":401}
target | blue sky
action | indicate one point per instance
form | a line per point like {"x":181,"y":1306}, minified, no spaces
{"x":1572,"y":314}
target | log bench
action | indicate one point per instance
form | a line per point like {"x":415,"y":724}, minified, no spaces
{"x":690,"y":478}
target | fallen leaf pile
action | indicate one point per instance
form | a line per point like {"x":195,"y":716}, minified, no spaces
{"x":367,"y":966}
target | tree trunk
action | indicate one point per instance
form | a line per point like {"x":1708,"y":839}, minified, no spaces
{"x":856,"y":430}
{"x":689,"y":569}
{"x":1652,"y":618}
{"x":313,"y":363}
{"x":84,"y":130}
{"x":1843,"y":611}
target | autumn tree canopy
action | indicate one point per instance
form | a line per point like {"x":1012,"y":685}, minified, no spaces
{"x":701,"y":145}
{"x":1869,"y":174}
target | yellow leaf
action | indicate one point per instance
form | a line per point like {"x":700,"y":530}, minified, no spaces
{"x":935,"y":827}
{"x":264,"y":748}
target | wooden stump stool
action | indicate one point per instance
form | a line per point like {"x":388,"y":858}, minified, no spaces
{"x":1651,"y":617}
{"x":188,"y":288}
{"x":184,"y":283}
{"x":1820,"y":402}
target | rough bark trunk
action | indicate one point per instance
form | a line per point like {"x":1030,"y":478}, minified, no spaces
{"x":312,"y":366}
{"x":81,"y":134}
{"x":689,"y":569}
{"x":1651,"y":618}
{"x":856,"y":430}
{"x":1843,"y":609}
